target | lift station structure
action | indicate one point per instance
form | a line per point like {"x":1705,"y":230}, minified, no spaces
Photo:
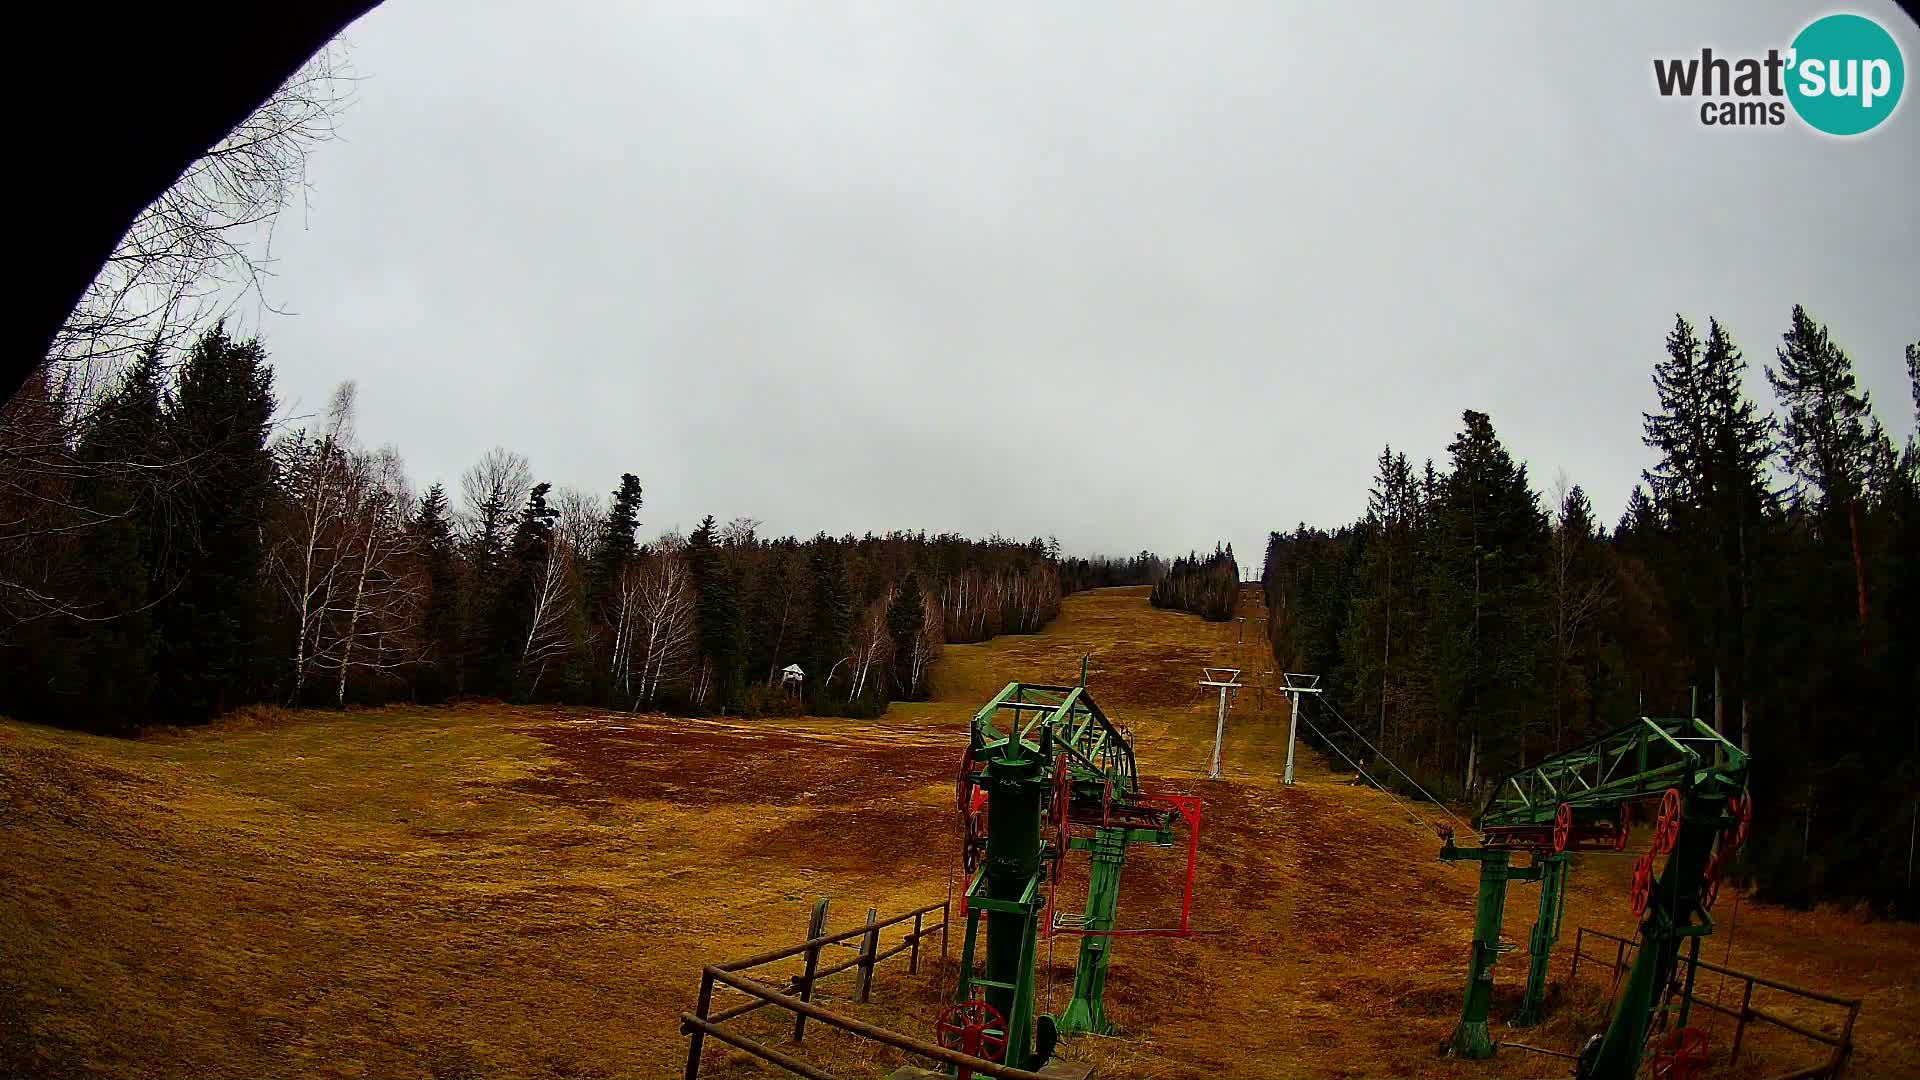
{"x":1582,"y":800}
{"x":1045,"y":773}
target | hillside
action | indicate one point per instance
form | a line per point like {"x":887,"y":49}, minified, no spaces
{"x":524,"y":892}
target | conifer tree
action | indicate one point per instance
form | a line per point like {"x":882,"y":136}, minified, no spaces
{"x":719,"y":613}
{"x":1710,"y":485}
{"x":1828,"y":435}
{"x":515,"y":604}
{"x":1489,"y":559}
{"x":905,"y":620}
{"x":441,"y":624}
{"x":618,"y":542}
{"x":210,"y":621}
{"x":830,"y":631}
{"x":110,"y":653}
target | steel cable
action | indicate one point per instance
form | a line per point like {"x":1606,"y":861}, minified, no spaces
{"x":1383,"y":757}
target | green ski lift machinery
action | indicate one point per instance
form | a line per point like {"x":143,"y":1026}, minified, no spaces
{"x":1045,"y":773}
{"x":1580,"y":800}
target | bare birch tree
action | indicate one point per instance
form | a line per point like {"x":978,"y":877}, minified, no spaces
{"x":667,"y":629}
{"x":304,"y":557}
{"x":872,"y":645}
{"x":381,"y":593}
{"x":555,"y":595}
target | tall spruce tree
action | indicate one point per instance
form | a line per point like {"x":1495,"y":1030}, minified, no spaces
{"x":618,"y":543}
{"x":719,"y":607}
{"x":1828,"y":438}
{"x":830,"y":630}
{"x":110,"y":653}
{"x":210,"y":619}
{"x":1490,"y":554}
{"x":1711,"y":487}
{"x":514,"y":604}
{"x":442,"y":622}
{"x":1381,"y":590}
{"x":906,"y":618}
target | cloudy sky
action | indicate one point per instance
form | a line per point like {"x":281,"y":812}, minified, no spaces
{"x":1133,"y":275}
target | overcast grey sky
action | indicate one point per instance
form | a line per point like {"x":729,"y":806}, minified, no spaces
{"x":1132,"y":275}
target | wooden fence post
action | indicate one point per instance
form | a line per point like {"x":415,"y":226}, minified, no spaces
{"x":816,"y":927}
{"x":869,"y":947}
{"x":698,"y":1036}
{"x":1579,"y":937}
{"x":913,"y":954}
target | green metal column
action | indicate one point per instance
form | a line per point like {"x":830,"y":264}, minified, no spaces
{"x":1546,"y":931}
{"x":1087,"y":1010}
{"x":1668,"y":920}
{"x":1014,"y":784}
{"x":1470,"y":1038}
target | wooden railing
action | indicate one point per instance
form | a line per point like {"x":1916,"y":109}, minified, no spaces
{"x":1841,"y":1045}
{"x":796,"y":996}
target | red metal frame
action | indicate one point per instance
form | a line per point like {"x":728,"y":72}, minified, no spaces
{"x":1189,"y":809}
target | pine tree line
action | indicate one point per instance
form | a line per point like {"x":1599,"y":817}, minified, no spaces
{"x":178,"y":558}
{"x":1209,"y":587}
{"x":1764,"y":570}
{"x":1106,"y":572}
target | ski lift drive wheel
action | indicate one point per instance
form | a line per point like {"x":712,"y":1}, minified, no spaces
{"x":1710,"y":883}
{"x":1562,"y":827}
{"x":1742,"y":810}
{"x":1642,"y":884}
{"x":1682,"y":1055}
{"x":1666,"y":831}
{"x":972,"y":1027}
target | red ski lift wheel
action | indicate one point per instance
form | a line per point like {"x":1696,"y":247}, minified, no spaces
{"x":964,"y":783}
{"x":1642,"y":884}
{"x":974,"y":844}
{"x":972,"y":1027}
{"x":1710,"y":884}
{"x":1562,"y":827}
{"x":1666,"y":831}
{"x":1742,"y":810}
{"x":1682,"y":1055}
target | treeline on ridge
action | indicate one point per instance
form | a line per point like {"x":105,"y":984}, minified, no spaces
{"x":1766,"y":566}
{"x":170,"y":557}
{"x":1106,"y":572}
{"x":1209,"y":587}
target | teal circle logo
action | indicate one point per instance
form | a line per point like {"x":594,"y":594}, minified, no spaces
{"x":1846,"y":74}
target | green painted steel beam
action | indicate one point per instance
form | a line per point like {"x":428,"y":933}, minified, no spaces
{"x":1632,"y":762}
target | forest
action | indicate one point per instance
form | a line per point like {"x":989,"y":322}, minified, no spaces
{"x":171,"y":553}
{"x":1209,"y":587}
{"x":1763,"y":574}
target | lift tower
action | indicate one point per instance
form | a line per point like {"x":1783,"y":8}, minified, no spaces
{"x":1579,"y":801}
{"x":1046,"y":772}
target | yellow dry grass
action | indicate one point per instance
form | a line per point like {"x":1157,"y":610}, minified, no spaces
{"x":500,"y":892}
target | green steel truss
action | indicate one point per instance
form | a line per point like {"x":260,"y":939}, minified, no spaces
{"x":1595,"y":782}
{"x":1098,"y":750}
{"x":1634,"y":762}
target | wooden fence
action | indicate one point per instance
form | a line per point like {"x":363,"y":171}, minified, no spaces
{"x":1841,"y":1045}
{"x":796,"y":996}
